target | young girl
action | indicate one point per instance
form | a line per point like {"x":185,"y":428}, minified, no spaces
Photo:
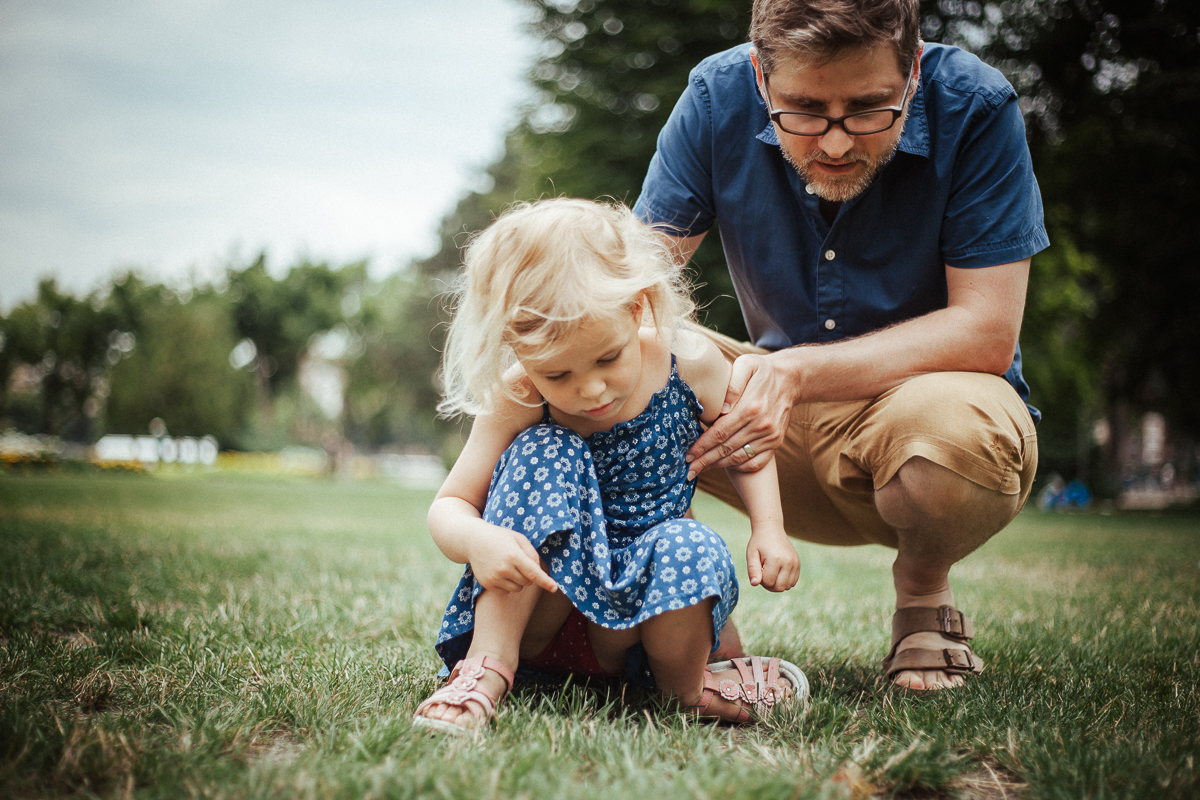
{"x":569,"y":344}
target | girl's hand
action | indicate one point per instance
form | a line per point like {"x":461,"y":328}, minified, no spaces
{"x":772,"y":561}
{"x":506,"y":562}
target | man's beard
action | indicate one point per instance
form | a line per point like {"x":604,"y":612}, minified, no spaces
{"x":840,"y":188}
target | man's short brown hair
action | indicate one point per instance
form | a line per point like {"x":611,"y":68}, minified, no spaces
{"x":820,"y":30}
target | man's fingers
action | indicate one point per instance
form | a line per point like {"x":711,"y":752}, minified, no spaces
{"x":711,"y":446}
{"x":742,"y":370}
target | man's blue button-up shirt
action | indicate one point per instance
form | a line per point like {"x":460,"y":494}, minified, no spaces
{"x":959,"y":192}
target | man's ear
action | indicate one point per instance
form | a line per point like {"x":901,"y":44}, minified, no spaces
{"x":917,"y":67}
{"x":758,"y":75}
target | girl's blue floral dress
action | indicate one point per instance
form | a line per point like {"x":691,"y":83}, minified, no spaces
{"x":605,"y":514}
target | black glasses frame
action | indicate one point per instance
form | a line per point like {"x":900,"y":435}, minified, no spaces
{"x":778,"y":115}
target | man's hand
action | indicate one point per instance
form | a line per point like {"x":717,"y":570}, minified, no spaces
{"x":507,"y":562}
{"x":758,"y":404}
{"x":772,"y":562}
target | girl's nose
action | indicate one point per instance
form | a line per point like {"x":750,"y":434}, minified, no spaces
{"x":593,"y":388}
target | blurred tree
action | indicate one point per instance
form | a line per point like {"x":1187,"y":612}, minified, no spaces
{"x":1110,"y":88}
{"x":281,"y":317}
{"x":392,"y":385}
{"x":180,"y":371}
{"x":53,"y":362}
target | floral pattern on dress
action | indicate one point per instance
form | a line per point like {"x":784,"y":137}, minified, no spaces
{"x":605,"y":513}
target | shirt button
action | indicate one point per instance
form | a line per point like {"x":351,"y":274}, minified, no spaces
{"x":830,"y":324}
{"x":829,"y":255}
{"x":810,"y":190}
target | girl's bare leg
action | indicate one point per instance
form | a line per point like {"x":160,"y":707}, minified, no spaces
{"x":678,"y":644}
{"x":507,"y":626}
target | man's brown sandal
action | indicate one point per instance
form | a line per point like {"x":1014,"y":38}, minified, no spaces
{"x":946,"y":620}
{"x":464,"y":687}
{"x":760,"y":690}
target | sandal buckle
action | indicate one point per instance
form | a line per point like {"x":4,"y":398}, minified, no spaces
{"x":958,"y":659}
{"x":950,"y":620}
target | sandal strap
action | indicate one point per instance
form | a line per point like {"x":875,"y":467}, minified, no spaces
{"x":451,"y":696}
{"x":949,"y":660}
{"x":463,"y":685}
{"x":760,"y":684}
{"x":473,"y":667}
{"x":946,"y":620}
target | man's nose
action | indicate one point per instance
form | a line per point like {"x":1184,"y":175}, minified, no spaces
{"x":836,"y":142}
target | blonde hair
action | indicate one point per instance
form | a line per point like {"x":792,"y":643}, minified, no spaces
{"x":539,"y":271}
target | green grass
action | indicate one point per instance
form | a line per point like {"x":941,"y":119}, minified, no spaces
{"x":248,"y":637}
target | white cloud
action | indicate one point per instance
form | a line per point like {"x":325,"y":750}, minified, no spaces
{"x":160,"y":134}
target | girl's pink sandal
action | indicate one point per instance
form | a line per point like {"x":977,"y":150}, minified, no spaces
{"x":464,"y":687}
{"x":760,"y":690}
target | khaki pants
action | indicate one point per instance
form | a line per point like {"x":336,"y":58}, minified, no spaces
{"x":836,"y":454}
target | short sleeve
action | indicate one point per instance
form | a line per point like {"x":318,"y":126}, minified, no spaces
{"x":994,"y":210}
{"x":678,"y":191}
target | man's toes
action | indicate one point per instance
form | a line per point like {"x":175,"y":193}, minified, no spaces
{"x":908,"y":679}
{"x":926,"y":680}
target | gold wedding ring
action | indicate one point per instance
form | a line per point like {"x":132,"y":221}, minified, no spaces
{"x":748,"y":450}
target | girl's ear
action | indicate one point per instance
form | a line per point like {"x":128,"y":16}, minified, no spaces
{"x":639,"y":308}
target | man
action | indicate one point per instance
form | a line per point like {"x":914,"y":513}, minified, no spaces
{"x":878,"y":213}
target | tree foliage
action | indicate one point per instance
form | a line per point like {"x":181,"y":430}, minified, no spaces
{"x":227,"y":359}
{"x":179,"y":372}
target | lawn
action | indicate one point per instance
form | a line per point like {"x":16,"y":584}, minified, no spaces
{"x":240,"y":636}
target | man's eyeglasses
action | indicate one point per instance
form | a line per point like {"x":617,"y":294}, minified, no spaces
{"x":859,"y":123}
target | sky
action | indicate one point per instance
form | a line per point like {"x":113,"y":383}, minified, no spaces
{"x":178,"y":136}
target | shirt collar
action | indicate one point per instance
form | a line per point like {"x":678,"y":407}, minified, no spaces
{"x":915,"y":138}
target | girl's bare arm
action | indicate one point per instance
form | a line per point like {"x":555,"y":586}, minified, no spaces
{"x":771,"y":560}
{"x":501,"y":559}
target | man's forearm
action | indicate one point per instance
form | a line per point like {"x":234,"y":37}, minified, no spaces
{"x":976,"y":332}
{"x":867,"y":366}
